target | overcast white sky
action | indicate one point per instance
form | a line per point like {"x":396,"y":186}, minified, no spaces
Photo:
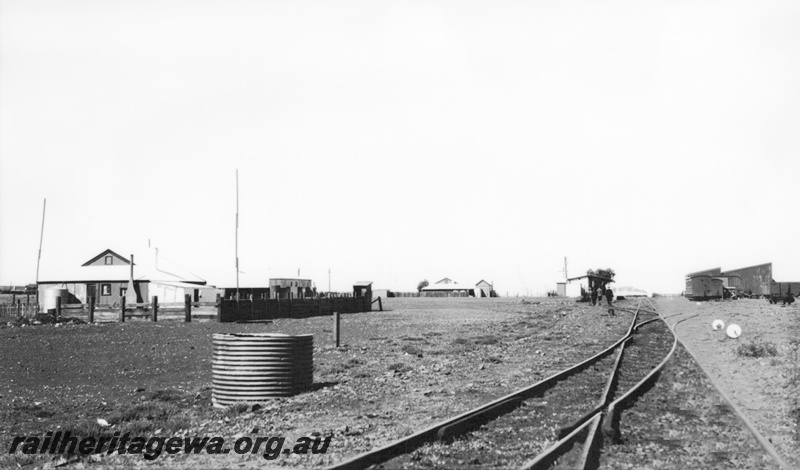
{"x":394,"y":141}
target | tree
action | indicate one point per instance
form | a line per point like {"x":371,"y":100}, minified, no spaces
{"x":422,"y":284}
{"x":606,"y":273}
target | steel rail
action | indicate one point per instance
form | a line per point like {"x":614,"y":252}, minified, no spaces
{"x":611,"y":421}
{"x":470,"y":419}
{"x":593,"y":420}
{"x":765,"y":444}
{"x":569,"y":434}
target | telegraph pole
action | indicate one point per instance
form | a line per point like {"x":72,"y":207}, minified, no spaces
{"x":329,"y":282}
{"x":565,"y":268}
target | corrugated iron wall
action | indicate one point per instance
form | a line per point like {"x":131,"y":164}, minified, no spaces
{"x":755,"y":280}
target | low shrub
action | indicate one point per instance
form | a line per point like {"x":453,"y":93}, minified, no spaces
{"x":754,"y":349}
{"x":354,"y":361}
{"x":400,"y":367}
{"x":237,"y":409}
{"x":412,"y":350}
{"x":35,"y":410}
{"x":168,"y":394}
{"x":488,"y":339}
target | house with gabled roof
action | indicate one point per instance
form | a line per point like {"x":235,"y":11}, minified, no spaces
{"x":450,"y":288}
{"x":109,"y":276}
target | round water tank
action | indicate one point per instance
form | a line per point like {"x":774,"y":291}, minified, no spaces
{"x":260,"y":366}
{"x":50,"y":295}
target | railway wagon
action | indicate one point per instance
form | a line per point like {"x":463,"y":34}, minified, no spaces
{"x":704,"y":287}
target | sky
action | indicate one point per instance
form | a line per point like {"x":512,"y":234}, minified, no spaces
{"x":396,"y":141}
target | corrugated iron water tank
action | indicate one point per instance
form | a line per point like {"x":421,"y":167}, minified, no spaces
{"x":259,"y":366}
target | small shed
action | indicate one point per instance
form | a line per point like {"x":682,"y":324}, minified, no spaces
{"x":484,"y":289}
{"x":561,"y":289}
{"x":363,"y":289}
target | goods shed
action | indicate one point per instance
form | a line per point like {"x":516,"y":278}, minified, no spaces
{"x":752,"y":280}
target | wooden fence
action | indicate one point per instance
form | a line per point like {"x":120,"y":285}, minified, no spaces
{"x":90,"y":312}
{"x":232,"y":310}
{"x":18,"y":309}
{"x":223,"y":310}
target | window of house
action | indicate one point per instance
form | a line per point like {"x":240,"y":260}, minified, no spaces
{"x":105,"y":289}
{"x":109,"y":260}
{"x":122,"y":291}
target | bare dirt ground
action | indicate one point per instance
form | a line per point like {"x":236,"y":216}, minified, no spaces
{"x":765,"y":388}
{"x":418,"y":363}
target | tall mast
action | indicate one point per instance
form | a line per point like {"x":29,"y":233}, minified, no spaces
{"x":39,"y":258}
{"x":237,"y":234}
{"x":41,"y":237}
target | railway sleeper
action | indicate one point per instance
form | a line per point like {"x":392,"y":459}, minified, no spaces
{"x":611,"y":422}
{"x":472,"y":422}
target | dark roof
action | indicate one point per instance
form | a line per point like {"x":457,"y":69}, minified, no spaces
{"x":591,"y":276}
{"x":706,"y":272}
{"x":107,"y":252}
{"x":749,"y":267}
{"x":362,"y":284}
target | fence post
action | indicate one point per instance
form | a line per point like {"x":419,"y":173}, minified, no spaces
{"x":219,"y":308}
{"x":18,"y":307}
{"x":58,"y":307}
{"x":336,"y":328}
{"x":91,"y":309}
{"x":122,"y":310}
{"x":380,"y":304}
{"x":155,"y":308}
{"x":188,"y":303}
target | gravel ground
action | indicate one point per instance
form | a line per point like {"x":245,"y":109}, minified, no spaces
{"x":417,"y":363}
{"x":765,"y":389}
{"x":682,"y":422}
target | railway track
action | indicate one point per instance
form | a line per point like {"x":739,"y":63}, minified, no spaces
{"x":547,"y":419}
